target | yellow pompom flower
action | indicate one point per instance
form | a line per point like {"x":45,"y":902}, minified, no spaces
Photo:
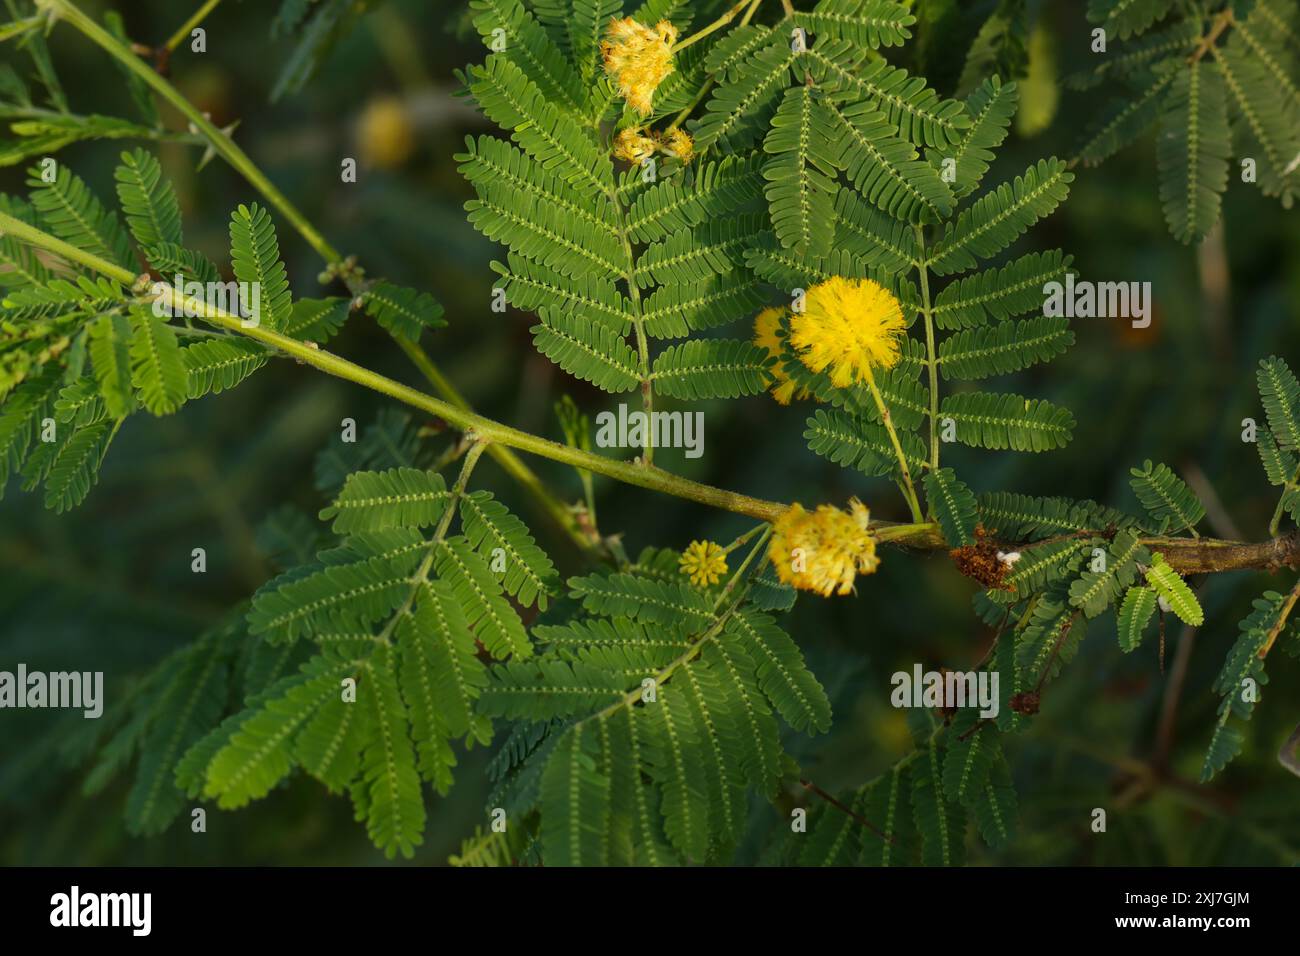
{"x":678,"y":143}
{"x":766,"y":324}
{"x":638,"y":58}
{"x":849,"y":326}
{"x":705,"y":562}
{"x":633,"y":147}
{"x":385,"y":133}
{"x":823,"y":550}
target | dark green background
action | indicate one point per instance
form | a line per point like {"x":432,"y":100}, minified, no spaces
{"x":109,"y":587}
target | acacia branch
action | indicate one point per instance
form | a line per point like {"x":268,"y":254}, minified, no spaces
{"x":227,"y":149}
{"x":1185,"y":555}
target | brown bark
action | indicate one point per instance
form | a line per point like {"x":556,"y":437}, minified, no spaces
{"x":1187,"y":556}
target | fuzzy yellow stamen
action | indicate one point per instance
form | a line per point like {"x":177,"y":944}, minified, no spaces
{"x":705,"y":562}
{"x":766,"y":325}
{"x":848,"y":326}
{"x":638,"y":58}
{"x":632,"y":147}
{"x":678,"y":143}
{"x":823,"y":550}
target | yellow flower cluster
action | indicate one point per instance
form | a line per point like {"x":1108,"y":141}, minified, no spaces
{"x":823,"y":550}
{"x":848,"y":326}
{"x":638,"y":58}
{"x":678,"y":143}
{"x":766,"y":325}
{"x":634,"y":146}
{"x":705,"y":562}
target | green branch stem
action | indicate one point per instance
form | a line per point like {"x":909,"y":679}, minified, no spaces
{"x":908,"y":490}
{"x":713,"y":27}
{"x":484,"y":428}
{"x":186,"y":28}
{"x":1185,"y":555}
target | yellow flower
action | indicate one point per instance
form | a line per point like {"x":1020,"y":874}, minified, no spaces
{"x":766,"y":325}
{"x":705,"y":562}
{"x":632,"y":147}
{"x":678,"y":143}
{"x":385,"y":133}
{"x":849,"y":326}
{"x":823,"y":550}
{"x":638,"y":58}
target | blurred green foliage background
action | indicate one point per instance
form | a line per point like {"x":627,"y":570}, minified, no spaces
{"x":109,"y":586}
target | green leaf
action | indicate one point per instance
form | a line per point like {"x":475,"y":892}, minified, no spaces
{"x":591,"y":352}
{"x":1279,"y":466}
{"x":991,"y":107}
{"x":885,"y":168}
{"x":76,"y":467}
{"x":999,"y":217}
{"x":1095,"y":590}
{"x":1169,"y":585}
{"x":80,"y":404}
{"x":188,"y":704}
{"x":109,"y":344}
{"x":389,"y":789}
{"x":988,"y":420}
{"x":1125,"y":119}
{"x":954,"y":506}
{"x":171,"y":260}
{"x":643,"y":599}
{"x":1166,"y":497}
{"x":575,"y":798}
{"x":917,"y":112}
{"x":349,"y":596}
{"x":940,"y":824}
{"x":255,"y":258}
{"x":157,"y":367}
{"x":479,"y":592}
{"x":550,"y":135}
{"x":712,"y":368}
{"x":1227,"y":741}
{"x":782,"y":673}
{"x":258,"y":755}
{"x":1005,"y":347}
{"x":1134,"y":616}
{"x":745,"y":96}
{"x":531,"y":49}
{"x":528,"y":574}
{"x":968,"y":758}
{"x":1193,"y":150}
{"x":870,"y":23}
{"x":805,"y":150}
{"x":317,"y":320}
{"x":215,"y":365}
{"x":72,"y":212}
{"x":397,"y":498}
{"x":1280,"y":393}
{"x":1002,"y":293}
{"x":858,"y":443}
{"x":148,"y":200}
{"x":994,"y":807}
{"x":1124,"y":18}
